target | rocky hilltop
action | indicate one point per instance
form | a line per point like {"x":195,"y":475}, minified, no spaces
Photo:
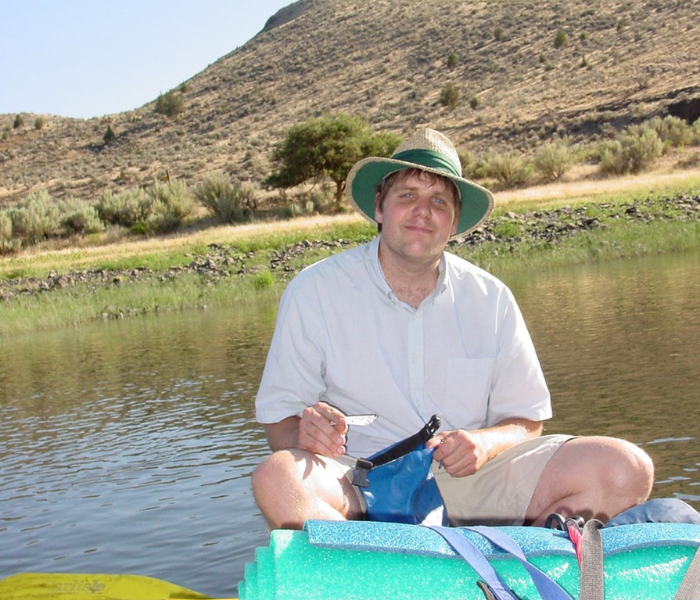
{"x":525,"y":70}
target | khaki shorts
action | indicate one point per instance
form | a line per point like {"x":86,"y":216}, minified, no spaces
{"x":500,"y":492}
{"x":497,"y":494}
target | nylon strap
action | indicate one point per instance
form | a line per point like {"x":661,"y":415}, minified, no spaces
{"x":409,"y":444}
{"x":592,"y":580}
{"x":476,"y":560}
{"x":546,"y":587}
{"x":690,"y":586}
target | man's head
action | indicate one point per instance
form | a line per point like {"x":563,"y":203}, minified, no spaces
{"x":432,"y":179}
{"x":431,"y":153}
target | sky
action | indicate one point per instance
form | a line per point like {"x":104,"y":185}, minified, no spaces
{"x":89,"y":58}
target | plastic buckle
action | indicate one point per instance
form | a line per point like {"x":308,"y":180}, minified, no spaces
{"x":362,"y":469}
{"x":432,"y":426}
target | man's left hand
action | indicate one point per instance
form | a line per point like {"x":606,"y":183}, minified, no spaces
{"x":459,"y":452}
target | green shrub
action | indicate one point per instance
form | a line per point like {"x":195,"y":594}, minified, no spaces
{"x":291,"y":210}
{"x":637,"y":147}
{"x":553,"y":160}
{"x":18,"y":122}
{"x":170,"y":104}
{"x":263,"y":280}
{"x":449,"y":96}
{"x":36,"y":218}
{"x":5,"y":227}
{"x":511,"y":170}
{"x":468,"y":161}
{"x":39,"y":123}
{"x":126,"y":208}
{"x":452,"y":61}
{"x":690,"y":160}
{"x":498,"y":33}
{"x":695,"y":133}
{"x":171,"y":203}
{"x":507,"y":229}
{"x":227,"y":200}
{"x":561,"y":40}
{"x":474,"y":102}
{"x":7,"y":244}
{"x":672,"y":130}
{"x":78,"y":217}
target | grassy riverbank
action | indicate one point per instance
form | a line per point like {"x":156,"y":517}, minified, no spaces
{"x":50,"y":288}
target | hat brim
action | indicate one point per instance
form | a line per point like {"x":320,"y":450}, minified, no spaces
{"x":363,"y":179}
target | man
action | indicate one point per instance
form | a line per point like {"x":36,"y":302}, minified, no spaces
{"x":402,"y":329}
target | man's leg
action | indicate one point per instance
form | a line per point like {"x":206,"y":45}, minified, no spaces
{"x":592,"y":477}
{"x":292,"y":486}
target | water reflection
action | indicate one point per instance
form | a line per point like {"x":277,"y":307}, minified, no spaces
{"x":126,"y":446}
{"x":619,"y":346}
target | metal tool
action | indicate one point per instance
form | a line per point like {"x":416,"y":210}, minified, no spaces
{"x":359,"y":420}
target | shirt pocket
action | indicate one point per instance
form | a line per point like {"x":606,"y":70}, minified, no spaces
{"x":467,"y":392}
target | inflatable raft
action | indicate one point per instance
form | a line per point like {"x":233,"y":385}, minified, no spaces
{"x":390,"y":561}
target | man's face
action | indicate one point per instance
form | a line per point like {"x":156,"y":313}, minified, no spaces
{"x":418,"y":217}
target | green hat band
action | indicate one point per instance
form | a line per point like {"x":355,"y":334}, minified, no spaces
{"x":429,"y":159}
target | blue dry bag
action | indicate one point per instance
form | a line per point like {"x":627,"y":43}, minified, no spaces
{"x":397,"y":483}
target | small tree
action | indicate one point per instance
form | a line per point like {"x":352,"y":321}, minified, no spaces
{"x":452,"y":61}
{"x":449,"y":96}
{"x":109,"y":135}
{"x":18,"y":122}
{"x":326,"y":147}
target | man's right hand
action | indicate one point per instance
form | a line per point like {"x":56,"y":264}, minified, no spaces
{"x":322,"y":430}
{"x":319,"y":429}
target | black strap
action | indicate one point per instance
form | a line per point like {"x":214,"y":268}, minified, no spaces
{"x":592,"y":579}
{"x":364,"y":465}
{"x":690,"y":586}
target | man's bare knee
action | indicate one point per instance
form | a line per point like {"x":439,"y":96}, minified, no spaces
{"x":291,"y":487}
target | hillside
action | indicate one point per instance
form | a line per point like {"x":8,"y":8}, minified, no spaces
{"x":624,"y":61}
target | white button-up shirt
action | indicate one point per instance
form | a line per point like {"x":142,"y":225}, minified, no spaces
{"x":343,"y":337}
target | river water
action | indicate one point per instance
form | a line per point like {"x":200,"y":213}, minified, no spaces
{"x":126,"y":447}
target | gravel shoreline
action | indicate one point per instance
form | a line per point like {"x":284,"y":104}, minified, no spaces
{"x":226,"y":261}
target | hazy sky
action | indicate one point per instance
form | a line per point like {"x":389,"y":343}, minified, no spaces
{"x":88,"y":58}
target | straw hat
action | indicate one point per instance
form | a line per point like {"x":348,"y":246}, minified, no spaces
{"x":428,"y":150}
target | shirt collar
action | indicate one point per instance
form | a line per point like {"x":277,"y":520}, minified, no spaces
{"x":377,"y":275}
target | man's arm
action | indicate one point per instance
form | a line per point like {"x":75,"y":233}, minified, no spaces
{"x":320,"y":429}
{"x":463,"y":452}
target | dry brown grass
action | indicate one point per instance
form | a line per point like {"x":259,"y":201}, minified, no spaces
{"x":625,"y":61}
